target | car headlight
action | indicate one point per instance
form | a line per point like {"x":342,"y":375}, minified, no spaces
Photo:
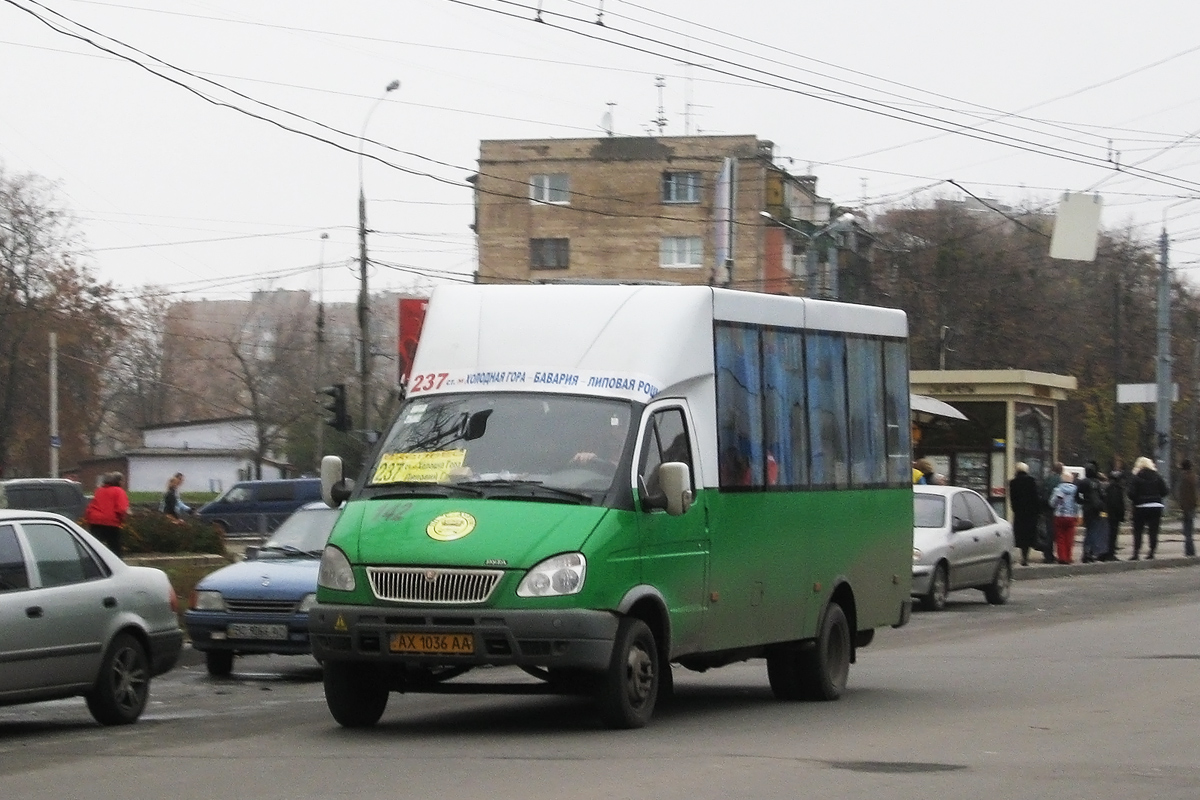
{"x":335,"y":572}
{"x":916,"y":554}
{"x":307,"y":603}
{"x":207,"y":600}
{"x":560,"y":575}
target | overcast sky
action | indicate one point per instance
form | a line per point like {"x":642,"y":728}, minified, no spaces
{"x":884,"y":101}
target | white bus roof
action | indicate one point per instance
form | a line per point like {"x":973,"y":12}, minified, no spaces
{"x":625,"y":340}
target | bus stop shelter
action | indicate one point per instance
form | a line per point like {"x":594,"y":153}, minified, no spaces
{"x":1011,"y":416}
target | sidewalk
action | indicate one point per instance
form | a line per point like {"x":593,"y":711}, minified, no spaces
{"x":1168,"y":554}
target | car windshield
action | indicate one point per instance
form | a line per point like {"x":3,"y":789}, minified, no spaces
{"x":305,"y":531}
{"x":557,"y":448}
{"x":929,"y":510}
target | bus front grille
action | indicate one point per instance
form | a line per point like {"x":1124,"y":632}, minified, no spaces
{"x":418,"y":585}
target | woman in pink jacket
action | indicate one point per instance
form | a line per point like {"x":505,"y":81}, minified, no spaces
{"x":107,"y":511}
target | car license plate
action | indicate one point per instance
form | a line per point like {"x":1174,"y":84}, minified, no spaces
{"x":433,"y":643}
{"x":243,"y":630}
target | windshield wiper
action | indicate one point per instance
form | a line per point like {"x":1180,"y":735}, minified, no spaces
{"x":533,"y":489}
{"x":399,"y":489}
{"x":291,"y":550}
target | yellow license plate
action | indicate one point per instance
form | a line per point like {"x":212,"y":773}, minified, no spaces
{"x":433,"y":643}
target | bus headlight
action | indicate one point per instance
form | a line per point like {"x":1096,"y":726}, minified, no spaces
{"x":916,"y":554}
{"x":560,"y":575}
{"x":335,"y":572}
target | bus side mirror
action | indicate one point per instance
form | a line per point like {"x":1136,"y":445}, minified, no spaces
{"x":675,"y":481}
{"x":335,"y":488}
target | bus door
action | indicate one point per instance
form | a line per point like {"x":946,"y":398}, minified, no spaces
{"x":674,"y":549}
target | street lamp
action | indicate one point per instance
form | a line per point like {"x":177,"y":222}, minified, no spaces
{"x":842,"y":223}
{"x":364,"y":309}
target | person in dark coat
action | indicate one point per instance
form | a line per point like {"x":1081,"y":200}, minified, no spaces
{"x":1094,"y":506}
{"x":1185,"y":495}
{"x":1026,"y":503}
{"x":1115,"y":497}
{"x":1147,"y":491}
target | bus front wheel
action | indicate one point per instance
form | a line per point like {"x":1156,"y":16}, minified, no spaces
{"x":356,"y":694}
{"x":629,"y":687}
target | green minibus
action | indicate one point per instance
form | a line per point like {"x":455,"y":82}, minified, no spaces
{"x":597,"y":484}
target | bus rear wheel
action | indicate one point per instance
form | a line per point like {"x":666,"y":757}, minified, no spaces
{"x":629,"y":687}
{"x":815,"y":670}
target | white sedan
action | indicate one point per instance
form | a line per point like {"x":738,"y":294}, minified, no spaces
{"x":958,"y":543}
{"x":76,"y":620}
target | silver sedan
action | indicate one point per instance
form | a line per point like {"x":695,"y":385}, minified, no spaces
{"x":958,"y":543}
{"x":76,"y":620}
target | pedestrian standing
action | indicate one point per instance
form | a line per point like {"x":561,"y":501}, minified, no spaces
{"x":172,"y":503}
{"x":1115,"y":501}
{"x":1066,"y":517}
{"x":1147,"y":491}
{"x":1186,"y":496}
{"x":1093,"y":505}
{"x":1049,"y":483}
{"x":1026,"y":504}
{"x":107,"y":512}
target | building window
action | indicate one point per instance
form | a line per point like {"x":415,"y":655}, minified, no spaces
{"x":681,"y":187}
{"x":554,"y":188}
{"x":681,"y":252}
{"x":549,"y":253}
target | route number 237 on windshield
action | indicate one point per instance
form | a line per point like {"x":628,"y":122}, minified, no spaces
{"x":428,"y":382}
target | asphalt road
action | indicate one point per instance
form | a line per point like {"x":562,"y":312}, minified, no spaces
{"x":1082,"y":687}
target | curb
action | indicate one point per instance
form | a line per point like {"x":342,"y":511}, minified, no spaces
{"x":1041,"y":571}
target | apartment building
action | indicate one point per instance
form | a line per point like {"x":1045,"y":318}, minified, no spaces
{"x":685,"y":210}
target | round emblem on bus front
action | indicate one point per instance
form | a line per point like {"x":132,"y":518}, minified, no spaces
{"x":450,"y":526}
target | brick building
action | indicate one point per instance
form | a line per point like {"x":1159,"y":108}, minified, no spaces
{"x":687,"y":210}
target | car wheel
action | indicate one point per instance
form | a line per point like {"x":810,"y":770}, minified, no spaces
{"x":123,"y":685}
{"x":356,"y":694}
{"x":997,"y":592}
{"x":629,"y":687}
{"x":219,"y":662}
{"x":939,"y":587}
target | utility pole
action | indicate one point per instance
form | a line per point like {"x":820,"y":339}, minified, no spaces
{"x":319,"y":450}
{"x":1162,"y":409}
{"x":54,"y":440}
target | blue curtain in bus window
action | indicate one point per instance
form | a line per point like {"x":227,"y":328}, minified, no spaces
{"x":896,"y":413}
{"x":786,"y":418}
{"x":864,"y":372}
{"x":825,"y":354}
{"x":739,"y":407}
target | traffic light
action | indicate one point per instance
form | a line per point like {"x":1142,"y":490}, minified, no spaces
{"x":339,"y":419}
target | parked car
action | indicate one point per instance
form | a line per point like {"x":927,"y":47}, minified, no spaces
{"x":76,"y":620}
{"x":958,"y":543}
{"x":57,"y":495}
{"x":259,"y":507}
{"x":261,"y":605}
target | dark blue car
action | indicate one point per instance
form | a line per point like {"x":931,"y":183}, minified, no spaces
{"x":259,"y":507}
{"x":261,"y":605}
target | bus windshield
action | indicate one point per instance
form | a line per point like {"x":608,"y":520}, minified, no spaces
{"x":491,"y":440}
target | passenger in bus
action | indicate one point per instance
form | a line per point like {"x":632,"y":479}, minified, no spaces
{"x":735,"y":468}
{"x":606,"y":448}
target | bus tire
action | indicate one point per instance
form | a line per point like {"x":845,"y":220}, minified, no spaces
{"x":356,"y":694}
{"x":629,"y":687}
{"x":825,"y":667}
{"x":219,"y":663}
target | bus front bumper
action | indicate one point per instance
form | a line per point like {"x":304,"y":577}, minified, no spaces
{"x":561,"y":638}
